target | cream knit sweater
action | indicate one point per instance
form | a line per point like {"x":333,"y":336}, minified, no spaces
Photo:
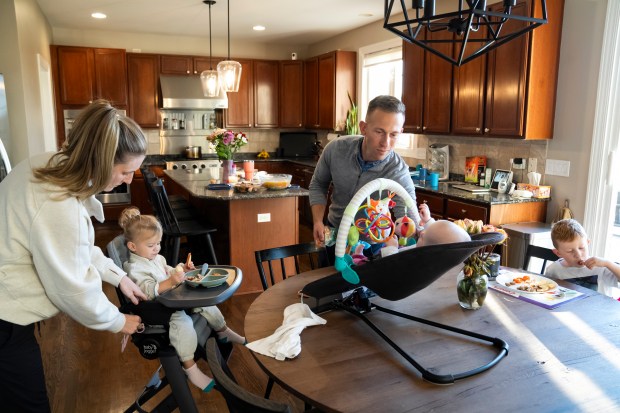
{"x":48,"y":259}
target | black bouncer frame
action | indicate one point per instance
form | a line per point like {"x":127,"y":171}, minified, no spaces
{"x":383,"y":277}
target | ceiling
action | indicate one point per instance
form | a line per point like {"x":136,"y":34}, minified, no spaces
{"x":294,"y":22}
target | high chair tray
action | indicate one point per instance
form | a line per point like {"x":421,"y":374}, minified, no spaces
{"x":183,"y":296}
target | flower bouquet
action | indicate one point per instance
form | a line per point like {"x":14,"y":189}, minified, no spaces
{"x":227,"y":142}
{"x":472,"y":282}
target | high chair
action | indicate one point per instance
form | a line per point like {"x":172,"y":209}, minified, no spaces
{"x":154,"y":343}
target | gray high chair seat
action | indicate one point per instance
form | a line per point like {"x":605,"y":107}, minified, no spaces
{"x":154,"y":343}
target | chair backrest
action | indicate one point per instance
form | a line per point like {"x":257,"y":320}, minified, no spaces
{"x":118,"y":252}
{"x":237,"y":398}
{"x":543,"y":253}
{"x":297,"y":253}
{"x":163,"y":209}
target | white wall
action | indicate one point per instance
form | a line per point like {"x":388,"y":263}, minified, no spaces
{"x":580,"y":56}
{"x":155,"y":43}
{"x":25,"y":33}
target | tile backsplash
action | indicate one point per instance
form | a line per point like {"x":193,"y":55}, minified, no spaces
{"x":498,"y":151}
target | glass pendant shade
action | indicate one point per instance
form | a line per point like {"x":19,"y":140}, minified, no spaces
{"x":230,"y":75}
{"x":210,"y":83}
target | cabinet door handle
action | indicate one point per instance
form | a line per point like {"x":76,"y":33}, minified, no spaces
{"x":477,"y":129}
{"x":418,"y":127}
{"x":486,"y":130}
{"x":187,"y":72}
{"x":463,"y":211}
{"x":423,"y":127}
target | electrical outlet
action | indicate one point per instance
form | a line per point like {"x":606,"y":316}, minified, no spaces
{"x":532,"y":164}
{"x":264,"y":217}
{"x":519,"y":163}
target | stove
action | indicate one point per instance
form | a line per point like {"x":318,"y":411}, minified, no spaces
{"x":193,"y":164}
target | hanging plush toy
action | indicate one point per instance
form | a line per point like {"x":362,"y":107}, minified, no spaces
{"x":404,"y":229}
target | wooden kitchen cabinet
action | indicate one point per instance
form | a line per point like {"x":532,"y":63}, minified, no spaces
{"x":453,"y":208}
{"x":186,"y":65}
{"x":255,"y":105}
{"x":143,"y":77}
{"x":468,"y":91}
{"x":291,"y":93}
{"x":437,"y":86}
{"x":266,"y":93}
{"x":240,"y":112}
{"x":427,"y":87}
{"x":522,"y":77}
{"x":510,"y":92}
{"x":328,"y":79}
{"x":85,"y":74}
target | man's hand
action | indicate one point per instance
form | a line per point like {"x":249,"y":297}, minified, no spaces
{"x":131,"y":290}
{"x":319,"y":234}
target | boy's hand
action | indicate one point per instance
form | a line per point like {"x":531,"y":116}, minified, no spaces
{"x":425,"y":213}
{"x":177,"y":275}
{"x":594,"y":262}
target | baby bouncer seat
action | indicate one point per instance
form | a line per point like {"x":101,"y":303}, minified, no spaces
{"x":396,"y":277}
{"x":154,"y":343}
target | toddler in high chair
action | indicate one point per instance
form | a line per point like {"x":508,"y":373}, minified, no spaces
{"x":153,"y":275}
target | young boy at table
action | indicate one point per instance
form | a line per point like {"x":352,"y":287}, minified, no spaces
{"x":576,"y":265}
{"x":150,"y":272}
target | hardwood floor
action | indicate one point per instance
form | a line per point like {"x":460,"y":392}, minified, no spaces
{"x":86,"y":371}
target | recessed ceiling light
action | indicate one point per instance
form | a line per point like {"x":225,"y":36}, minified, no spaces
{"x":365,"y":14}
{"x":98,"y":15}
{"x":259,"y":28}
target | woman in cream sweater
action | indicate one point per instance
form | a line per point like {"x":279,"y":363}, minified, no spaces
{"x":48,"y":260}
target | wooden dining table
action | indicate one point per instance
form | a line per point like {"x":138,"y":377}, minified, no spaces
{"x":561,"y":360}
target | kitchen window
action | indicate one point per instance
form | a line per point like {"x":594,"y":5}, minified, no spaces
{"x":603,"y":193}
{"x":382,"y":72}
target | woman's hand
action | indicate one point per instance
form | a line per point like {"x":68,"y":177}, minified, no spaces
{"x":131,"y":290}
{"x":132,"y":323}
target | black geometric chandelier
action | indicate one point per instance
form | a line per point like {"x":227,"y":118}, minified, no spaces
{"x":471,"y":16}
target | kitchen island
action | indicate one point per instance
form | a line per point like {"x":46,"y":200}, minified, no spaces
{"x":245,"y":222}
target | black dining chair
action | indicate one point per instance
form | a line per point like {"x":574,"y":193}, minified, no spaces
{"x":182,"y":208}
{"x":543,"y":253}
{"x":195,"y":232}
{"x":300,"y":254}
{"x":238,"y":399}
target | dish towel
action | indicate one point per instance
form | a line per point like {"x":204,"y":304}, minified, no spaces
{"x":285,"y":342}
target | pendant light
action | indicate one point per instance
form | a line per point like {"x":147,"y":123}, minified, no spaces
{"x":209,"y":78}
{"x":468,"y":18}
{"x":229,"y":70}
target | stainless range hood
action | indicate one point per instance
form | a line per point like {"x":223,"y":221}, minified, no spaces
{"x":185,"y":92}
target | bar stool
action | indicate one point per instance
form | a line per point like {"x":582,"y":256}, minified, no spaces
{"x":198,"y":234}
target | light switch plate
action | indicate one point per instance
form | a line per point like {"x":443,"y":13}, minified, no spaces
{"x":557,"y":167}
{"x":264,"y":217}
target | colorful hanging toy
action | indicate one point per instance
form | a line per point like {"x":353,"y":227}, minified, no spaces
{"x":375,"y":224}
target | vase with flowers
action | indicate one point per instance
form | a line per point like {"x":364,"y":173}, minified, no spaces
{"x":226,"y":143}
{"x":472,"y":281}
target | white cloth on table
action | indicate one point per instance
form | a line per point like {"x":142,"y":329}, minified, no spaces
{"x":285,"y":342}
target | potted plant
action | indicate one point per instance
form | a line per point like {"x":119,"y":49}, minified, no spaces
{"x":352,"y":126}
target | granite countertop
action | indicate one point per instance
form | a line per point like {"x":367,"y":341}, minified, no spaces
{"x":160,"y":160}
{"x":488,"y":198}
{"x":196,"y":184}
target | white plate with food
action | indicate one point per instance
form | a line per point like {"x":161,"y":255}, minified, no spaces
{"x":526,"y":283}
{"x":213,"y":278}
